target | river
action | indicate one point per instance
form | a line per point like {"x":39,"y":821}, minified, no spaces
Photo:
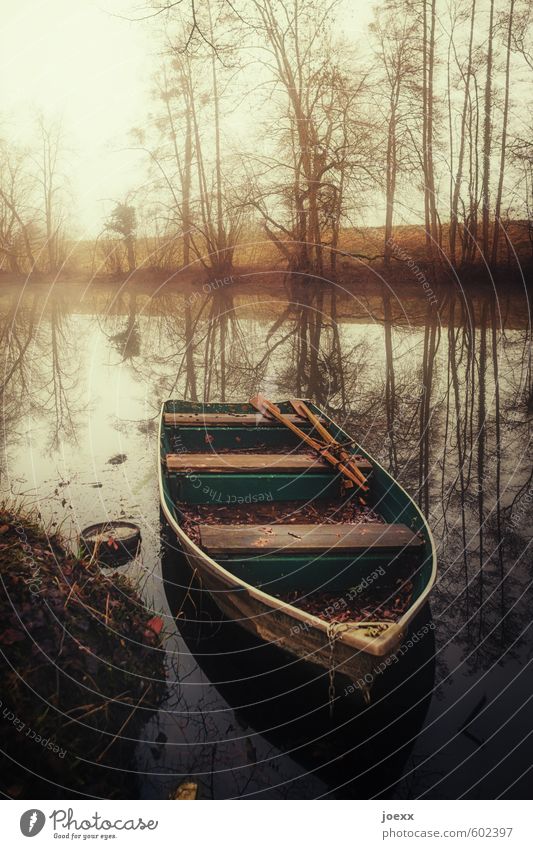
{"x":439,"y":393}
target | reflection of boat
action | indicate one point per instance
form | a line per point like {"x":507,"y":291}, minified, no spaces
{"x":358,"y":752}
{"x":241,"y":491}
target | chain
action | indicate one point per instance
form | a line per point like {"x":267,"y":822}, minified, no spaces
{"x":333,"y":632}
{"x":332,"y":636}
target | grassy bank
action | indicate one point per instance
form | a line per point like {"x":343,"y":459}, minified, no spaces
{"x":82,"y":669}
{"x":359,"y":259}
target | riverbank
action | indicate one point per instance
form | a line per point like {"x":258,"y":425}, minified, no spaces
{"x":83,"y":670}
{"x":359,"y":261}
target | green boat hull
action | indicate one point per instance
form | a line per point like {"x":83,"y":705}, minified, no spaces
{"x":248,"y":595}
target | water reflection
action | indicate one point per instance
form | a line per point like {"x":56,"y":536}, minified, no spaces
{"x":128,"y":340}
{"x":358,"y":752}
{"x":439,"y":392}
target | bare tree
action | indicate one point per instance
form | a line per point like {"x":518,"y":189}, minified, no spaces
{"x":16,"y":211}
{"x":457,"y":178}
{"x":394,"y":30}
{"x":319,"y":133}
{"x":200,"y":191}
{"x":503,"y":144}
{"x":487,"y":135}
{"x":329,"y":135}
{"x":51,"y":182}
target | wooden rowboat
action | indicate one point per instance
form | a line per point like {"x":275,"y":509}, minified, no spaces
{"x":329,"y":559}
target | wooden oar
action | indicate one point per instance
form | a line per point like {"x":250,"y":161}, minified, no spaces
{"x":267,"y":408}
{"x":263,"y":405}
{"x":301,"y":409}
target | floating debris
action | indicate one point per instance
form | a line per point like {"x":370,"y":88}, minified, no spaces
{"x":118,"y":459}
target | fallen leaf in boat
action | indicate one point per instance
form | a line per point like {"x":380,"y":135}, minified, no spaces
{"x":4,"y":529}
{"x":209,"y":439}
{"x":156,"y":624}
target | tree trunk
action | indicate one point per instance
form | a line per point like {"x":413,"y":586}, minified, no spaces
{"x":130,"y":249}
{"x":430,"y":132}
{"x":428,"y":63}
{"x":462,"y":144}
{"x":186,"y":190}
{"x":391,"y":174}
{"x":222,"y":266}
{"x":498,"y":205}
{"x":487,"y":136}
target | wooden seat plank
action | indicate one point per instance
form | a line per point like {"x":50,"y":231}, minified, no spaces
{"x":210,"y":461}
{"x":303,"y":539}
{"x":224,"y":420}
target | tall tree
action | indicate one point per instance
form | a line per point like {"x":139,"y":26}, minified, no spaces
{"x":321,"y":146}
{"x":487,"y":136}
{"x":17,"y":217}
{"x":503,"y":144}
{"x":428,"y":125}
{"x":51,"y":182}
{"x":466,"y":77}
{"x":394,"y":31}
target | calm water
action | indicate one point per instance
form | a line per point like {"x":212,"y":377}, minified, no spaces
{"x":441,"y":396}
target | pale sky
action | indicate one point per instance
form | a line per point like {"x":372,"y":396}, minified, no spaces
{"x":71,"y":59}
{"x":74,"y":59}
